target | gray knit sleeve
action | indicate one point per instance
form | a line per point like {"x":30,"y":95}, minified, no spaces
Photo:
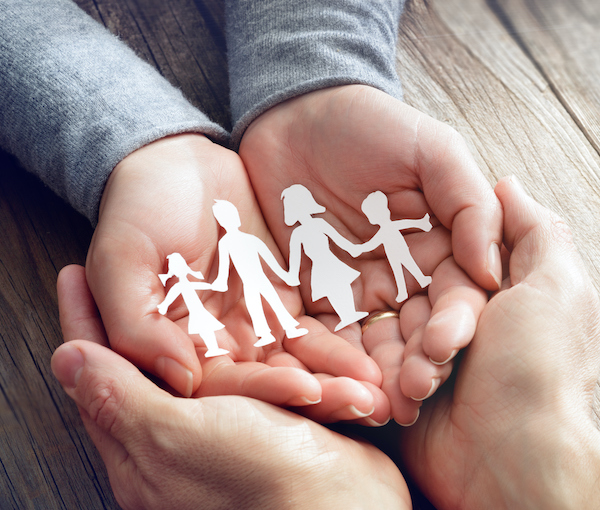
{"x":278,"y":49}
{"x":74,"y":100}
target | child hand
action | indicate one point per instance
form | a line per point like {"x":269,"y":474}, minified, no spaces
{"x":354,"y":140}
{"x":159,"y":201}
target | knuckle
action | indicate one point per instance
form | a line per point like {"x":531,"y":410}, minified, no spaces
{"x":561,"y":232}
{"x":104,"y":405}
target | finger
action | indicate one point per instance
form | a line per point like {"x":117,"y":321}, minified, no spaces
{"x":79,"y":317}
{"x":113,"y":398}
{"x":324,"y":352}
{"x":419,"y":377}
{"x":343,"y":399}
{"x":538,"y":238}
{"x":283,"y":386}
{"x":457,"y":304}
{"x":385,"y":344}
{"x":462,"y":200}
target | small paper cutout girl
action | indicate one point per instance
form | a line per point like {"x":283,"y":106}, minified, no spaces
{"x":330,"y":277}
{"x":201,"y":322}
{"x":375,"y":207}
{"x":245,"y":251}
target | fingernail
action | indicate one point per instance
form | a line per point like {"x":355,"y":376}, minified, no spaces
{"x":412,"y":422}
{"x":308,"y":402}
{"x":374,"y":423}
{"x":439,"y":363}
{"x":494,"y":263}
{"x":515,"y":180}
{"x":175,"y":374}
{"x":357,"y":413}
{"x":67,"y":365}
{"x":435,"y":384}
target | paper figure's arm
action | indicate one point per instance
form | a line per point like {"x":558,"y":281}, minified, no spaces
{"x":200,"y":285}
{"x":371,"y":244}
{"x":340,"y":240}
{"x":169,"y":298}
{"x":295,"y":257}
{"x":220,"y":283}
{"x":422,"y":224}
{"x":270,"y":260}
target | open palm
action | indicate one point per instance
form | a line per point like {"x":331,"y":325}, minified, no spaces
{"x":159,"y":201}
{"x":346,"y":142}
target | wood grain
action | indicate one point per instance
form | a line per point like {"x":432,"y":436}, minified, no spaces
{"x":462,"y":63}
{"x":519,"y":79}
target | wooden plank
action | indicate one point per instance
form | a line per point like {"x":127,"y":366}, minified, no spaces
{"x":460,"y":64}
{"x":46,"y":457}
{"x":518,"y":78}
{"x":562,"y":39}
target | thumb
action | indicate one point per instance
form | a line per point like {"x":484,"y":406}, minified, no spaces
{"x":540,"y":242}
{"x":113,"y":396}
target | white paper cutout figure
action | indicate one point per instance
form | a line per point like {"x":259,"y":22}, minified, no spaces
{"x":200,"y":322}
{"x":330,"y":277}
{"x":375,"y":207}
{"x":245,"y":251}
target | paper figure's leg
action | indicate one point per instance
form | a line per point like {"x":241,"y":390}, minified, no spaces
{"x":257,"y":316}
{"x":415,"y":270}
{"x":342,"y":301}
{"x":288,"y":323}
{"x":210,"y":340}
{"x":400,"y":282}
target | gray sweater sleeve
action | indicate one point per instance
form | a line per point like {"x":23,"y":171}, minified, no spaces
{"x":74,"y":100}
{"x":278,"y":49}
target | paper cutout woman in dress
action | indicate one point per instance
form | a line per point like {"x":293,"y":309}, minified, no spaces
{"x":330,"y":277}
{"x":375,"y":207}
{"x":245,"y":252}
{"x":201,"y":322}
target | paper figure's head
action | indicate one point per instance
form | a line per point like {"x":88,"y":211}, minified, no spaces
{"x":178,"y":267}
{"x":226,"y":214}
{"x":375,"y":207}
{"x":297,"y":203}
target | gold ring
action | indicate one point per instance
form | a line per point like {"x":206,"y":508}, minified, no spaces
{"x":377,"y":316}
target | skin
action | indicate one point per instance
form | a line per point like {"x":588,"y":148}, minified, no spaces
{"x":343,"y":143}
{"x":158,"y":201}
{"x":220,"y":452}
{"x":519,"y":427}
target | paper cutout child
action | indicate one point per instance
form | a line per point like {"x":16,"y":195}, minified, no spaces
{"x":245,"y":251}
{"x":200,"y":322}
{"x":375,"y":207}
{"x":330,"y":277}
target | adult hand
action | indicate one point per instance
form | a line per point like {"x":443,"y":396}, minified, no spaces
{"x":162,"y":451}
{"x":158,"y":201}
{"x":519,"y":428}
{"x":343,"y":143}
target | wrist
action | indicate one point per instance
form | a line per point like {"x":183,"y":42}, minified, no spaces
{"x":152,"y":160}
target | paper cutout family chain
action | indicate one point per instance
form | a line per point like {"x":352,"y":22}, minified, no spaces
{"x":330,"y":277}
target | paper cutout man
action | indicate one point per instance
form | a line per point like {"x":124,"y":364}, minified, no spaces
{"x":245,"y":251}
{"x":375,"y":207}
{"x":200,"y":322}
{"x":330,"y":277}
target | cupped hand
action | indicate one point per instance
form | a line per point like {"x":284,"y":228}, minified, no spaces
{"x":158,"y":201}
{"x":344,"y":143}
{"x":220,"y":452}
{"x":519,"y":427}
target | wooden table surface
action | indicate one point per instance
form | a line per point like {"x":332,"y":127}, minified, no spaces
{"x":520,"y":79}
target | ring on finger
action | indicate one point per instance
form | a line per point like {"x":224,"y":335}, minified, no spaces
{"x":374,"y":317}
